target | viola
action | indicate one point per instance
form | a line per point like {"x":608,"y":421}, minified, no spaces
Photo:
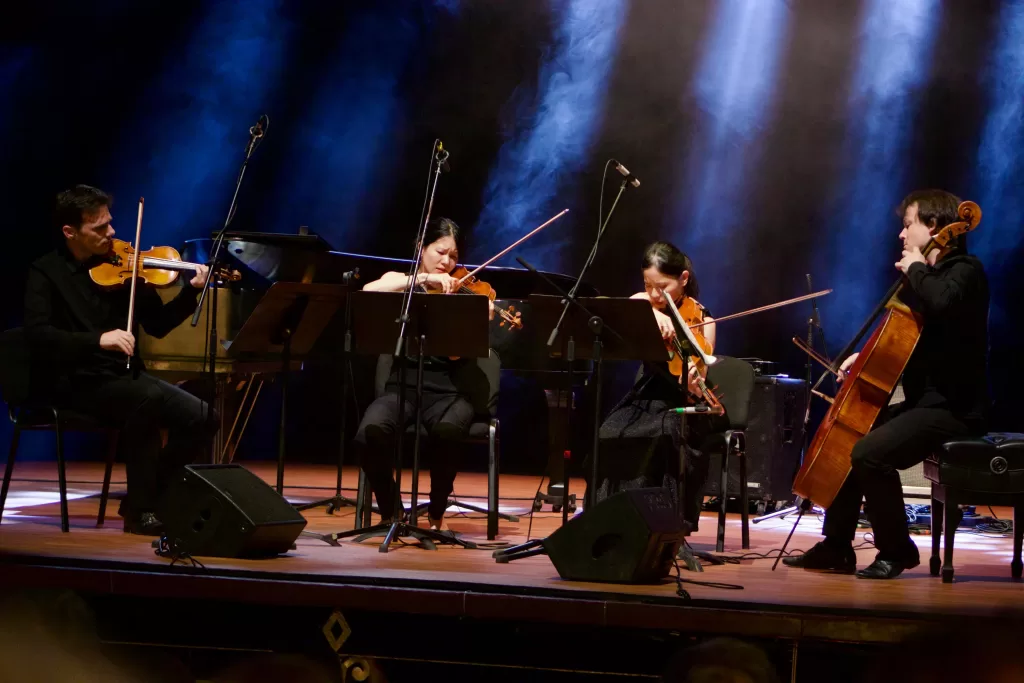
{"x":865,"y":391}
{"x":159,"y":266}
{"x":686,"y":316}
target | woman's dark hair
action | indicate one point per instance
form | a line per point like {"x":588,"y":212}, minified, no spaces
{"x":668,"y":259}
{"x":73,"y":205}
{"x":934,"y":205}
{"x":443,"y":227}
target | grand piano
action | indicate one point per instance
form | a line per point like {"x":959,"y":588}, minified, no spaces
{"x":533,"y":384}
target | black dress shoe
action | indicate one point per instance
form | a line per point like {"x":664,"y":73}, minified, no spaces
{"x":828,"y":556}
{"x":144,"y":524}
{"x":890,"y":569}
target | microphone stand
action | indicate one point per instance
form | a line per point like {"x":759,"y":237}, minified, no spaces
{"x":256,"y":134}
{"x":398,"y":527}
{"x":596,"y":325}
{"x":802,"y":505}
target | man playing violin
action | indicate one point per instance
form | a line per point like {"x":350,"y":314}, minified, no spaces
{"x":944,"y":384}
{"x":641,"y":437}
{"x":453,"y":390}
{"x":81,"y":327}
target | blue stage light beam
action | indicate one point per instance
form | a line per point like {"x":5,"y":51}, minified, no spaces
{"x":733,"y":89}
{"x":339,"y":161}
{"x":551,"y":134}
{"x":896,"y":40}
{"x":188,"y":137}
{"x":999,"y":172}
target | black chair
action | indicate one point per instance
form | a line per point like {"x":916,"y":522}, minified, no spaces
{"x":31,"y":391}
{"x":982,"y":471}
{"x":733,"y":380}
{"x":485,"y":429}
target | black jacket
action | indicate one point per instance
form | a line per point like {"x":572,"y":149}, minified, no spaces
{"x":949,"y":366}
{"x":65,"y":314}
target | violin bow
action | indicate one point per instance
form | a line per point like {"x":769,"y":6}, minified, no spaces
{"x":761,"y":309}
{"x":135,"y":275}
{"x":510,"y":247}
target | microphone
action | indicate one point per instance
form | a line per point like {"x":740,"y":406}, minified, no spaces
{"x":260,"y":128}
{"x":633,"y":180}
{"x":442,"y":157}
{"x":814,"y":304}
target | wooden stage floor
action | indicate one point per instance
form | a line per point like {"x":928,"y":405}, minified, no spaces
{"x":787,"y":603}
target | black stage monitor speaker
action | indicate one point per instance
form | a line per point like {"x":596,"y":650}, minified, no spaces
{"x":227,"y":511}
{"x":774,"y":437}
{"x":630,"y":537}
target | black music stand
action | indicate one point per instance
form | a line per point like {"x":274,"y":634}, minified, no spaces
{"x":286,"y":323}
{"x":439,"y":326}
{"x":589,"y":320}
{"x":347,"y":387}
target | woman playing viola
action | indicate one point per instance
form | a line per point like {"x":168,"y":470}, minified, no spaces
{"x":641,"y":437}
{"x":452,"y":389}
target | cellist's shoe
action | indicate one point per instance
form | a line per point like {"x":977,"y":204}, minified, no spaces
{"x":827,"y":556}
{"x":890,"y":569}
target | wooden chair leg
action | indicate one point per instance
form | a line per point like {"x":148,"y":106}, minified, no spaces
{"x":744,"y":501}
{"x":934,"y":564}
{"x":62,"y":480}
{"x":107,"y":473}
{"x":951,"y":522}
{"x":492,"y":480}
{"x":724,"y":496}
{"x":9,"y":470}
{"x":1016,"y":566}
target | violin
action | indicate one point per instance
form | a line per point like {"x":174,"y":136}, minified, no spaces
{"x":469,"y":284}
{"x":159,"y":266}
{"x":686,"y":316}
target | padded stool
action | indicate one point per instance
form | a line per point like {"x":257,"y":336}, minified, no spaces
{"x":980,"y":471}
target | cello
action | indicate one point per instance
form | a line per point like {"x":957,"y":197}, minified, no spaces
{"x":865,"y":391}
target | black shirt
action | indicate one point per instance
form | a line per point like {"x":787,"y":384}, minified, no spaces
{"x":949,"y":366}
{"x":66,"y":313}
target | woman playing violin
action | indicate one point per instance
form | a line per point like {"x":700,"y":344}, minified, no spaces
{"x":452,"y":389}
{"x":640,"y":438}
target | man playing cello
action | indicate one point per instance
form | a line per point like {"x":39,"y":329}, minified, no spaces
{"x":82,"y":328}
{"x":945,"y":388}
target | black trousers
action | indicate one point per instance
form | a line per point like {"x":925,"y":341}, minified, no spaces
{"x":901,"y":439}
{"x":141,"y":407}
{"x":446,"y":418}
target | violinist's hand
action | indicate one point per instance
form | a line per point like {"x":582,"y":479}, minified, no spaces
{"x":845,"y":367}
{"x":668,"y":330}
{"x":199,"y":279}
{"x":692,"y":378}
{"x":440,"y":281}
{"x":910,"y":257}
{"x":490,"y":310}
{"x":118,"y":340}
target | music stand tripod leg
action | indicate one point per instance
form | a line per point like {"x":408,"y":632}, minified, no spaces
{"x":337,"y":500}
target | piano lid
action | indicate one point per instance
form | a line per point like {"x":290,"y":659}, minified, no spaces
{"x":265,"y":258}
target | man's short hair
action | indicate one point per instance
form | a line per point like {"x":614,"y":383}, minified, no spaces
{"x":934,"y":205}
{"x":80,"y":201}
